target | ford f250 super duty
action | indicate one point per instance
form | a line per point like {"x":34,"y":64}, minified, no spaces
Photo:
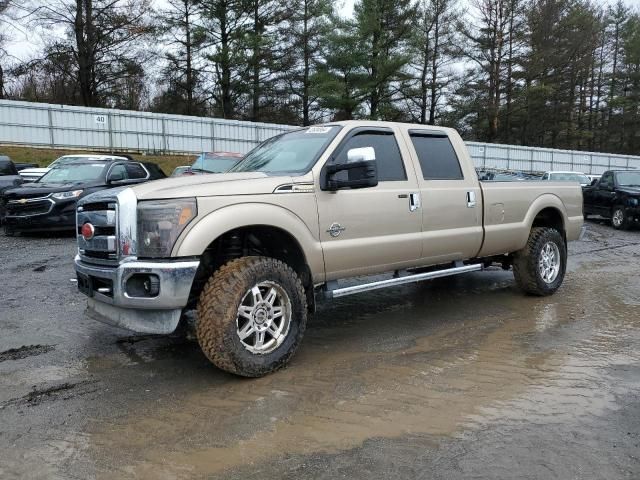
{"x":253,"y":249}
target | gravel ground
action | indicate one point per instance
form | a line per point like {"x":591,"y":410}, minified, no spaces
{"x":456,"y":378}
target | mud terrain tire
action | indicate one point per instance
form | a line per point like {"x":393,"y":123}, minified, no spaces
{"x":527,"y":262}
{"x":217,"y":325}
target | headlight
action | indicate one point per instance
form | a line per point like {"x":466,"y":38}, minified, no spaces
{"x":67,"y":195}
{"x":633,"y":202}
{"x":160,"y":223}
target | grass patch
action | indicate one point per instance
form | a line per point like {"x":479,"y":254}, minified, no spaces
{"x":44,"y":156}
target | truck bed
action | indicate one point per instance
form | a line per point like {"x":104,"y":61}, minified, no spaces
{"x":508,"y":206}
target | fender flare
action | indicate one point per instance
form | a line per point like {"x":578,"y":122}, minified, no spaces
{"x":194,"y":241}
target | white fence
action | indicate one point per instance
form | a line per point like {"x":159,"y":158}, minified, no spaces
{"x":61,"y":126}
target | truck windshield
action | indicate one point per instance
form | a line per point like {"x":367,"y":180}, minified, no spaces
{"x":629,"y":179}
{"x":290,"y":153}
{"x":213,"y":163}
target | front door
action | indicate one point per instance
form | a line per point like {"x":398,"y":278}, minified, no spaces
{"x":375,"y":229}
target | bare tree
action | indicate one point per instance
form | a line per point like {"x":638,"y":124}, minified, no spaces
{"x":105,"y":37}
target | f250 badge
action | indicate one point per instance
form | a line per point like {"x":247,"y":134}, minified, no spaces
{"x":335,"y":229}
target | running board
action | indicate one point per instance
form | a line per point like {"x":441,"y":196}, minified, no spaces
{"x":392,"y":282}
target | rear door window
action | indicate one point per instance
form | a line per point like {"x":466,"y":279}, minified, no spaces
{"x":438,"y":159}
{"x":135,"y":171}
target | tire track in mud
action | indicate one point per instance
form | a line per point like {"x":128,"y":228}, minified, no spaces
{"x":24,"y":352}
{"x":63,"y":391}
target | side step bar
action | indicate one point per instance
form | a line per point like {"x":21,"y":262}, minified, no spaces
{"x":392,"y":282}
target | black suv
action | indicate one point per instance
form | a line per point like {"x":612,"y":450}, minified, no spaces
{"x":616,"y":196}
{"x":49,"y":204}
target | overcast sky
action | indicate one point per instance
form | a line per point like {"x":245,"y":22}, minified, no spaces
{"x":25,"y":43}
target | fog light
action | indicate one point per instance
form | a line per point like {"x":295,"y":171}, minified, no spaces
{"x":143,"y":285}
{"x":152,"y":285}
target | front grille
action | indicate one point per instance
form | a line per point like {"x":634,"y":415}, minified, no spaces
{"x":103,"y":247}
{"x":16,"y":208}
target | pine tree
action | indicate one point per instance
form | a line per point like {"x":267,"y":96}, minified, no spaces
{"x":383,"y":28}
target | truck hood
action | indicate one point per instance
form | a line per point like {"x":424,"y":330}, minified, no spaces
{"x":633,"y":191}
{"x":215,"y":184}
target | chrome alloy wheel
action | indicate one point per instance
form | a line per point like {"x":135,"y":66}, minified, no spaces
{"x":549,"y":262}
{"x":618,"y":217}
{"x":264,"y":318}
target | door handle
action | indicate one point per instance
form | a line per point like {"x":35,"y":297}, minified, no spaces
{"x":414,"y":202}
{"x":471,"y":199}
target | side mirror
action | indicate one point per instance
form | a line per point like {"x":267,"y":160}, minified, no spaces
{"x":362,"y":154}
{"x":361,"y":168}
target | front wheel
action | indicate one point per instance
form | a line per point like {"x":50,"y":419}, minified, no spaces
{"x":252,"y":315}
{"x":619,"y":218}
{"x":540,"y":266}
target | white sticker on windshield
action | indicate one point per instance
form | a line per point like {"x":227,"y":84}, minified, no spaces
{"x":318,"y":130}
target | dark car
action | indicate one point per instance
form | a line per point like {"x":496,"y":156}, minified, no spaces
{"x":214,"y":162}
{"x":9,"y":178}
{"x":50,"y":203}
{"x":616,"y":196}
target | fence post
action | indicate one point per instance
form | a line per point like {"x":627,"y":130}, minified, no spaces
{"x":484,"y":156}
{"x":508,"y":158}
{"x":530,"y":159}
{"x":110,"y":131}
{"x":51,"y":137}
{"x":164,"y":135}
{"x":256,"y":136}
{"x":213,"y":135}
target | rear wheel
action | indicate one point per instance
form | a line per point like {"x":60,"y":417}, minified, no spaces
{"x":619,"y":218}
{"x":540,"y":266}
{"x":252,"y":315}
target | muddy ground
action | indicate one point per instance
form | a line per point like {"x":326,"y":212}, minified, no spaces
{"x":457,"y":378}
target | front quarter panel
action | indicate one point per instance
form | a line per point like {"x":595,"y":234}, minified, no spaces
{"x":294,"y":213}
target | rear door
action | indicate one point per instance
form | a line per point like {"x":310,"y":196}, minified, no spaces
{"x":451,"y":198}
{"x":375,"y":229}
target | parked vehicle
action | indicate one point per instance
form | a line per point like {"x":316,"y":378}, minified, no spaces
{"x":214,"y":162}
{"x":182,"y":170}
{"x":50,"y":203}
{"x":23,"y":166}
{"x":254,"y":248}
{"x":33,"y":174}
{"x":593,"y":179}
{"x":9,"y":178}
{"x":558,"y":176}
{"x":616,"y":196}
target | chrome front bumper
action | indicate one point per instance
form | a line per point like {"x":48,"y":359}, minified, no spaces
{"x":109,"y":302}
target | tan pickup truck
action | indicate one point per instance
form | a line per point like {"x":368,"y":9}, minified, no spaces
{"x":254,"y":249}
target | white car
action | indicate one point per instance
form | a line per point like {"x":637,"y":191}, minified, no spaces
{"x":34,"y":174}
{"x":558,"y":176}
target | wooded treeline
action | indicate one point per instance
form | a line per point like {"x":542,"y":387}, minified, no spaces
{"x":554,"y":73}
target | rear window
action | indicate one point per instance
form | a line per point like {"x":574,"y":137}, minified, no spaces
{"x":438,"y":159}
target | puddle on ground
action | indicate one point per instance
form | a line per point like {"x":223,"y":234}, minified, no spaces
{"x":454,"y":357}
